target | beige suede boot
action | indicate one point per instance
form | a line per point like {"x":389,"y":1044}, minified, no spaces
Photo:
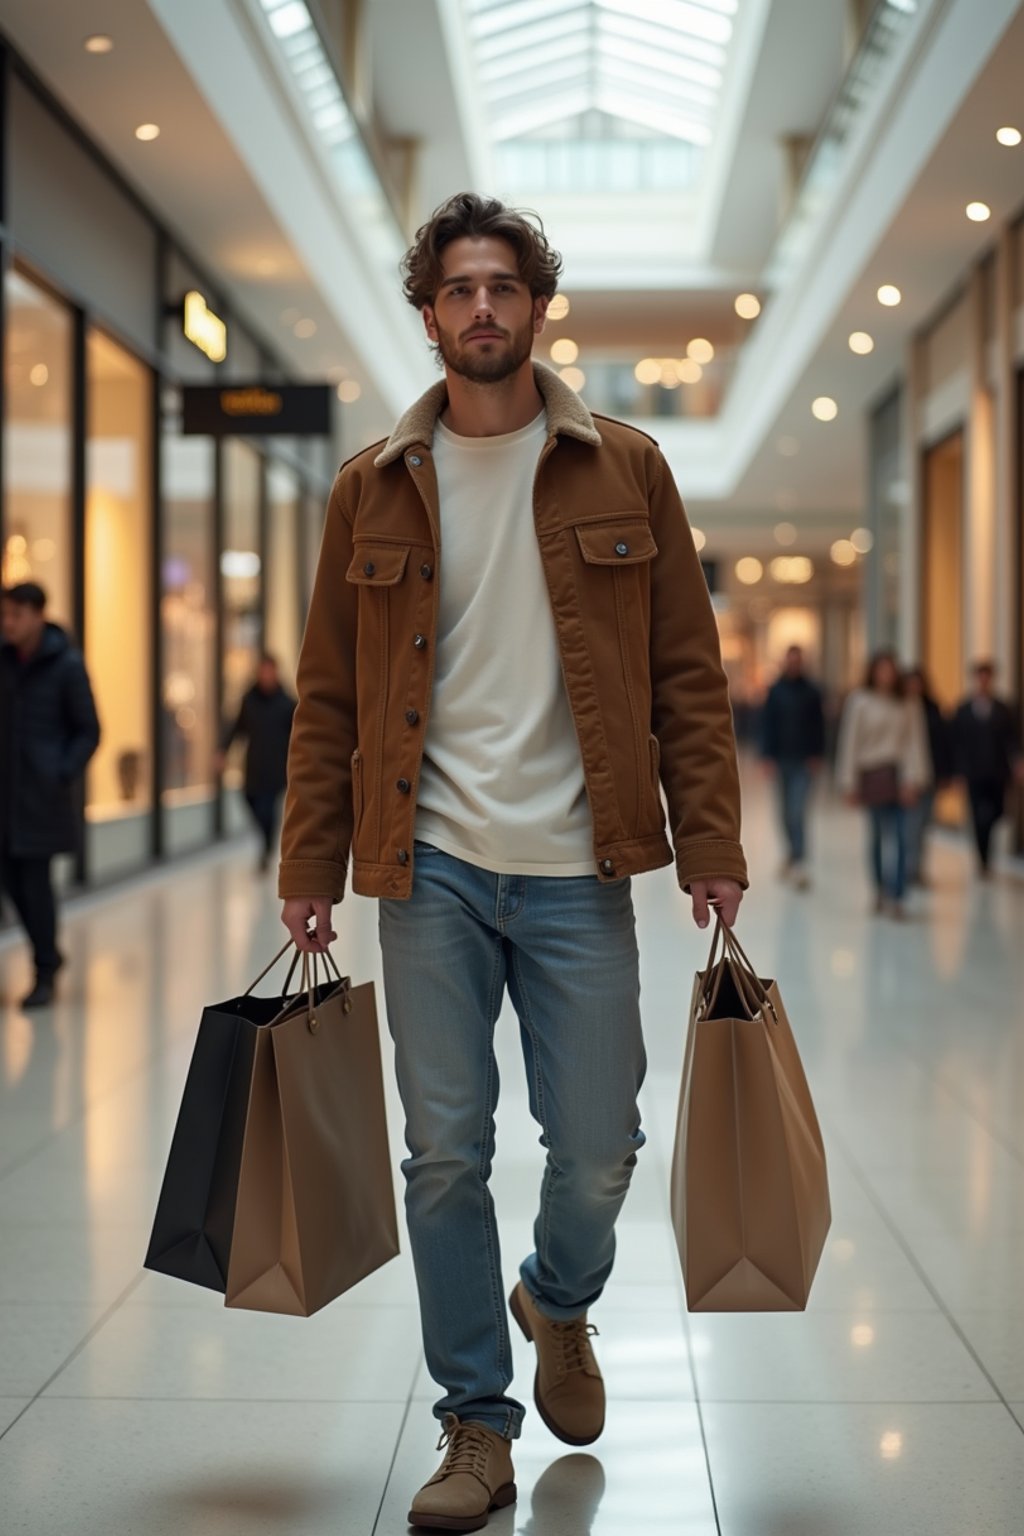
{"x":475,"y":1477}
{"x":568,"y":1388}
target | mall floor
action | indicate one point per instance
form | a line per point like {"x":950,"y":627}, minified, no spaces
{"x":131,"y":1403}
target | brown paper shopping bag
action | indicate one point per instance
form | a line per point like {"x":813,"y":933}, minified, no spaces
{"x":315,"y":1210}
{"x":750,"y":1201}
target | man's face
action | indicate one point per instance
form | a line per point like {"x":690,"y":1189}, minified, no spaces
{"x":984,"y":678}
{"x":483,"y":318}
{"x":266,"y":676}
{"x":794,"y":661}
{"x":21,"y":623}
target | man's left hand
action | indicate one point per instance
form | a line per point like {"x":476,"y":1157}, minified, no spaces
{"x":724,"y":895}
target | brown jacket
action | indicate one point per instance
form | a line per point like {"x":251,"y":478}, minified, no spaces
{"x":637,"y":636}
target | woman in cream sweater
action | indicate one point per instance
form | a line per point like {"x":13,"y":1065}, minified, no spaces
{"x":883,"y":766}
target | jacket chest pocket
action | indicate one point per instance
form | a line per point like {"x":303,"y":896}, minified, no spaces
{"x":378,"y":565}
{"x":619,"y":543}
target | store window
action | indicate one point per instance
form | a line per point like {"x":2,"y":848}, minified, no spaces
{"x":188,"y":599}
{"x":942,"y":587}
{"x":118,"y":613}
{"x":241,"y":566}
{"x":38,"y":545}
{"x":283,"y":569}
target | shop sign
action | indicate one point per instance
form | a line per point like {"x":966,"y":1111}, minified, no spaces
{"x":254,"y":410}
{"x":203,"y":328}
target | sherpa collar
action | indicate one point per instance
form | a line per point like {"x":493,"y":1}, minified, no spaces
{"x":566,"y":414}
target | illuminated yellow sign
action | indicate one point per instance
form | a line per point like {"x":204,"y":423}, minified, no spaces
{"x":250,"y":402}
{"x":204,"y":329}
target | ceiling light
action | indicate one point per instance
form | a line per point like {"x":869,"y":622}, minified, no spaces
{"x":861,"y":343}
{"x":824,"y":408}
{"x":978,"y":212}
{"x":889,"y":295}
{"x":789,"y":447}
{"x":1009,"y":136}
{"x":749,"y":571}
{"x":862,"y":1335}
{"x":791,"y":570}
{"x":891,"y":1445}
{"x":349,"y":391}
{"x":669,"y":376}
{"x":147,"y":131}
{"x":700,"y":350}
{"x":844,"y":552}
{"x":862,"y":540}
{"x":304,"y":329}
{"x":574,"y":377}
{"x":690,"y":372}
{"x":647,"y":371}
{"x":39,"y":375}
{"x":564,"y":351}
{"x":785,"y":534}
{"x":99,"y":42}
{"x":239,"y":564}
{"x":558,"y":308}
{"x":747,"y":306}
{"x":700,"y":538}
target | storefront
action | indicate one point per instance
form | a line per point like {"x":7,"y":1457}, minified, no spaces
{"x":174,"y":560}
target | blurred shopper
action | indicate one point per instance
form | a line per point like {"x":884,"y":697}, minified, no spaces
{"x":48,"y":733}
{"x":883,"y":766}
{"x":988,"y":756}
{"x":940,"y":756}
{"x":793,"y":742}
{"x":510,"y":651}
{"x":264,"y":723}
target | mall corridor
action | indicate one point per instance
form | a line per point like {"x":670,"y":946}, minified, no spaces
{"x":895,"y":1407}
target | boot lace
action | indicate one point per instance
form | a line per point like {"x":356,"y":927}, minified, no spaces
{"x":572,"y":1340}
{"x":466,"y":1447}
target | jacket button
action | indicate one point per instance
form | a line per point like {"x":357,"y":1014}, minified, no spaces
{"x":403,"y":786}
{"x":427,"y":572}
{"x":403,"y":856}
{"x":412,"y":717}
{"x":622,"y":549}
{"x":607,"y":867}
{"x":420,"y":642}
{"x":369,"y":568}
{"x":415,"y":460}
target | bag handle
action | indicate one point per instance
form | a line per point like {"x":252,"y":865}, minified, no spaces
{"x":310,"y":982}
{"x":752,"y":993}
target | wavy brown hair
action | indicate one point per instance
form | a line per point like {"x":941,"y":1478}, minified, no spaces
{"x":467,"y":214}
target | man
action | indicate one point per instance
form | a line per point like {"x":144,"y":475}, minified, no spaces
{"x":988,"y":757}
{"x":264,"y":722}
{"x":510,"y":652}
{"x":48,"y":732}
{"x":793,"y":743}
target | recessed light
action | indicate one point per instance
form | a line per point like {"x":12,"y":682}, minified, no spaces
{"x":824,"y":408}
{"x":349,"y":391}
{"x":1011,"y":137}
{"x":147,"y":131}
{"x":700,"y":350}
{"x":99,"y":42}
{"x":564,"y":351}
{"x":39,"y":375}
{"x":690,"y":371}
{"x":785,"y":534}
{"x":889,"y":295}
{"x":647,"y":371}
{"x":747,"y":306}
{"x":863,"y":540}
{"x":978,"y":212}
{"x":304,"y":329}
{"x":749,"y":570}
{"x":700,"y":538}
{"x":861,"y":343}
{"x":574,"y":377}
{"x":844,"y":552}
{"x":558,"y":308}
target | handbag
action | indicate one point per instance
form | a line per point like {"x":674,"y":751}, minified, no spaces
{"x":879,"y":786}
{"x":749,"y":1186}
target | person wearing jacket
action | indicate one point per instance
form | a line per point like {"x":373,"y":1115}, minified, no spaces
{"x":48,"y":732}
{"x":940,"y":759}
{"x":793,"y":743}
{"x":510,"y":656}
{"x":264,"y":723}
{"x":882,"y":765}
{"x":988,"y":757}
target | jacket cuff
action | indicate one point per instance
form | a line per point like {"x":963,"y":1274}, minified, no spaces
{"x":715,"y":858}
{"x":311,"y":877}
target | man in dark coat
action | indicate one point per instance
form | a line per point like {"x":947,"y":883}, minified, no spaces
{"x":988,"y":756}
{"x":48,"y":733}
{"x":265,"y":723}
{"x":793,"y":741}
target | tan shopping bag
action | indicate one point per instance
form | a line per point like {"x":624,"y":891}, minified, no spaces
{"x":750,"y":1202}
{"x":315,"y":1211}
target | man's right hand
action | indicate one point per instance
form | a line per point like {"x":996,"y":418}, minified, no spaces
{"x":296,"y":914}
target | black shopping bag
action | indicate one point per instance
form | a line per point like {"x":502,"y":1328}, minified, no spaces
{"x":195,"y":1214}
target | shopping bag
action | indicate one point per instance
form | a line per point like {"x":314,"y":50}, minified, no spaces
{"x":315,"y":1210}
{"x":749,"y":1188}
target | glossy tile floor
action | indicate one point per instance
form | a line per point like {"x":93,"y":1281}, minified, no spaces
{"x":894,"y":1407}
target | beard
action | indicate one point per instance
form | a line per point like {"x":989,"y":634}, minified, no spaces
{"x":490,"y":363}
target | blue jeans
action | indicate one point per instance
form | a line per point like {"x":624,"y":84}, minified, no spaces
{"x":794,"y":777}
{"x":566,"y":950}
{"x":918,"y":820}
{"x":888,"y":847}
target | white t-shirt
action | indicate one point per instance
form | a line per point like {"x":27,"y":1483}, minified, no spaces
{"x":502,"y":780}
